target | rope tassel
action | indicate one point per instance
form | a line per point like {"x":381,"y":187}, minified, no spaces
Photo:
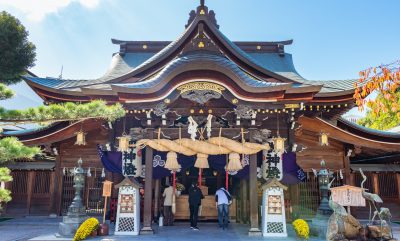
{"x":234,"y":162}
{"x":172,"y":161}
{"x":201,"y":161}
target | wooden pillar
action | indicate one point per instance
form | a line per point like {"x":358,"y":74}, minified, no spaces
{"x":254,"y":226}
{"x":148,"y":186}
{"x":346,"y":164}
{"x":52,"y":207}
{"x":352,"y":181}
{"x":375,"y":183}
{"x":157,"y":190}
{"x":29,"y":190}
{"x":398,"y":185}
{"x":59,"y":176}
{"x":244,"y":200}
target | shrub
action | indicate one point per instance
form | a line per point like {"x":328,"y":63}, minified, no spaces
{"x":86,"y":229}
{"x":301,"y":228}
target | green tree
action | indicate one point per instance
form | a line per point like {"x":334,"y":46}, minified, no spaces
{"x":17,"y":54}
{"x":380,"y":120}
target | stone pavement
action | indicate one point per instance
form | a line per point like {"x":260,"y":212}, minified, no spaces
{"x":44,"y":228}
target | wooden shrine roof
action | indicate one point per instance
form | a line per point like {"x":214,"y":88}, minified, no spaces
{"x":255,"y":67}
{"x":387,"y":143}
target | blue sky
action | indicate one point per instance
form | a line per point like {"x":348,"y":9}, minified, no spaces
{"x":332,"y":39}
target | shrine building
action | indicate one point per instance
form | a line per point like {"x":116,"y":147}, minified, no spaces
{"x":247,"y":92}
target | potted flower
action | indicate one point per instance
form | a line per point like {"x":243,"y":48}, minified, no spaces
{"x":86,"y":229}
{"x":302,"y":229}
{"x":179,"y":188}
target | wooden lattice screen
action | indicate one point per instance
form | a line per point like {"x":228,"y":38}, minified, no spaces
{"x":305,"y":196}
{"x":31,"y":192}
{"x":388,"y":185}
{"x":91,"y":196}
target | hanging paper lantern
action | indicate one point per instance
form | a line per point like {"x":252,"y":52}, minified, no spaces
{"x":123,"y":145}
{"x":172,"y":161}
{"x":80,"y":138}
{"x":201,"y":161}
{"x":103,"y":173}
{"x":234,"y":163}
{"x":323,"y":139}
{"x":279,"y":144}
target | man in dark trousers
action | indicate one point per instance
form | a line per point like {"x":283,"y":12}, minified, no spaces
{"x":195,"y":196}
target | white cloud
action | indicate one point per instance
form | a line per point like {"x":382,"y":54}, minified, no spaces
{"x":36,"y":10}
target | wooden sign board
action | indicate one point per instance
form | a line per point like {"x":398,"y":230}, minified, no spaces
{"x":107,"y":188}
{"x":348,"y":196}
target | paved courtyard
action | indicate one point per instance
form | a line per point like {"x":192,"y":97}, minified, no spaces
{"x":43,"y":228}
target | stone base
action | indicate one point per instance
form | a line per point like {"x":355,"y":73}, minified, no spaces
{"x":320,"y":225}
{"x":255,"y":232}
{"x":69,"y":225}
{"x":146,"y":230}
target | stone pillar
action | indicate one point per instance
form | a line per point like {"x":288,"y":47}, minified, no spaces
{"x":254,"y":226}
{"x":148,"y":188}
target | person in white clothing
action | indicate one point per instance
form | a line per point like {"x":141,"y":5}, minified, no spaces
{"x":168,"y":215}
{"x":222,"y":200}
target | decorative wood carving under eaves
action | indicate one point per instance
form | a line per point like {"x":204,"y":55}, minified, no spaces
{"x":201,"y":92}
{"x":161,"y":109}
{"x":245,"y":112}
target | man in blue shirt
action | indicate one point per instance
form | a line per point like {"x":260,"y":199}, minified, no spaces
{"x":222,"y":200}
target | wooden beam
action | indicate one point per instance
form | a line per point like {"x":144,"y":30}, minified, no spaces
{"x":148,"y":188}
{"x":254,"y":226}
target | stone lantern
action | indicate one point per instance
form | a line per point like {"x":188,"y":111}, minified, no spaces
{"x":76,"y":211}
{"x":320,"y":221}
{"x":323,"y":181}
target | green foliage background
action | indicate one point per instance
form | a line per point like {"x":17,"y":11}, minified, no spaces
{"x":381,"y":120}
{"x":17,"y":53}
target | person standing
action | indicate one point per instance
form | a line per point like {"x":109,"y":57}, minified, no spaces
{"x":222,"y":200}
{"x":168,"y":196}
{"x":195,"y":196}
